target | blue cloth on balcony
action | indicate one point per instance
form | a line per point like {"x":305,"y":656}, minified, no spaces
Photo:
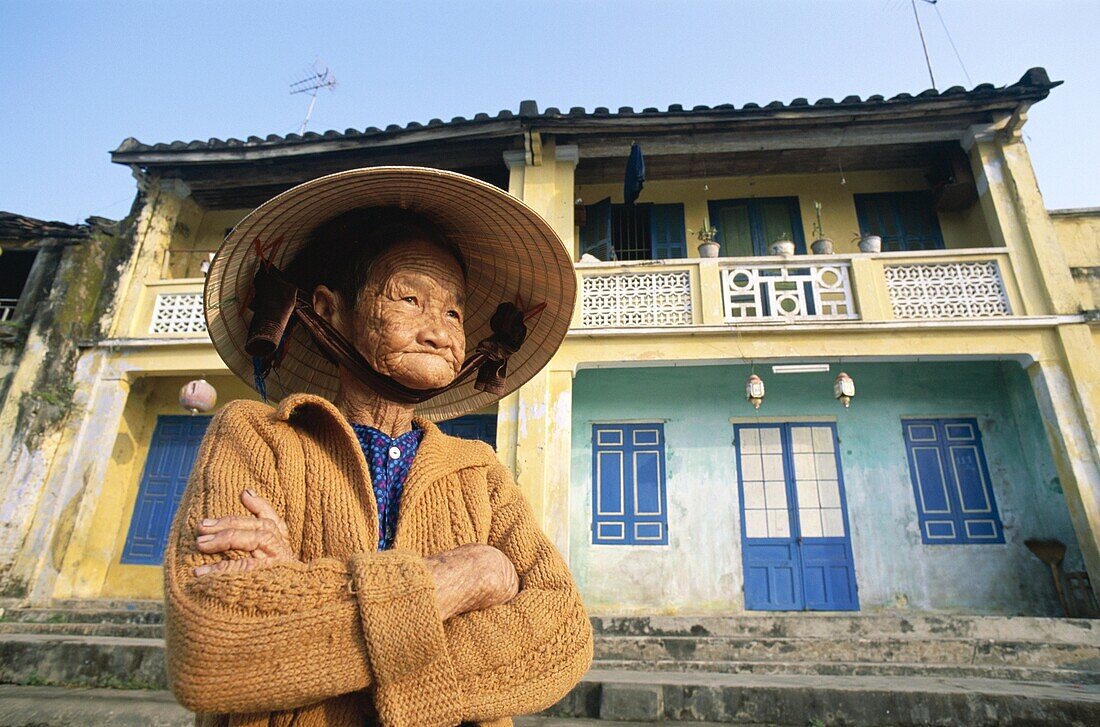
{"x":388,"y":460}
{"x":635,"y":175}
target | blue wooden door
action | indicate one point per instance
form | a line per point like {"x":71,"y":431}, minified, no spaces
{"x":473,"y":426}
{"x":172,"y":452}
{"x":795,"y":542}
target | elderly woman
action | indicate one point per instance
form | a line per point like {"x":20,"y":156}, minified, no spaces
{"x":337,"y":560}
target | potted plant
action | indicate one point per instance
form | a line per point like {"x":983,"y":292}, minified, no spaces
{"x":782,"y":245}
{"x":821,"y":245}
{"x":708,"y":242}
{"x":867,"y":242}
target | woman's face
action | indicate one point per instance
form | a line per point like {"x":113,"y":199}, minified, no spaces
{"x":408,"y":319}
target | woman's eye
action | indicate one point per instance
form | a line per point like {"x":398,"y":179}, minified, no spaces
{"x":454,"y":314}
{"x":410,"y":299}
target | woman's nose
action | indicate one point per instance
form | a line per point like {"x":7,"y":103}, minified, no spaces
{"x":434,"y":332}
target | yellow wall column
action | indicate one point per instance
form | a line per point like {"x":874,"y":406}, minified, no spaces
{"x":1016,"y":217}
{"x":168,"y":211}
{"x":534,"y":424}
{"x":1067,"y":391}
{"x":76,"y":475}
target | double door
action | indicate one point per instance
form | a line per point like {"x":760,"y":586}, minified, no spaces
{"x":796,"y":546}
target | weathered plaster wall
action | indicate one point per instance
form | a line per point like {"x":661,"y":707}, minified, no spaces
{"x":92,"y":565}
{"x":1078,"y":234}
{"x":963,"y":229}
{"x":41,"y":394}
{"x":700,"y":570}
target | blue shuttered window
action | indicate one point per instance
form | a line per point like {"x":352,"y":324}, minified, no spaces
{"x":172,"y":453}
{"x":904,"y":220}
{"x":634,"y":232}
{"x":954,"y":496}
{"x":473,"y":426}
{"x":628,"y":484}
{"x":747,"y":227}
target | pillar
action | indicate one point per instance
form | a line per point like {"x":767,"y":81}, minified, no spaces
{"x":1067,"y":391}
{"x":534,"y":424}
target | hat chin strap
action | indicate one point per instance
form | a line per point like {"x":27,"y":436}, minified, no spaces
{"x":277,"y":303}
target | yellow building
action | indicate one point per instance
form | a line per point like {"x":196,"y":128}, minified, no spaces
{"x":971,"y":339}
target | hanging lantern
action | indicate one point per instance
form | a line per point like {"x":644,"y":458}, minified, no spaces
{"x":844,"y":388}
{"x":198,"y":396}
{"x":754,"y":390}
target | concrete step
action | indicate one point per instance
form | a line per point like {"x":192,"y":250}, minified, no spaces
{"x":61,"y":707}
{"x":880,"y":650}
{"x":139,"y":630}
{"x":60,"y":614}
{"x":1015,"y":673}
{"x":815,"y":699}
{"x":86,"y":661}
{"x":925,"y":626}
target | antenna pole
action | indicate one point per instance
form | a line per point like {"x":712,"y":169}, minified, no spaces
{"x":319,"y":77}
{"x":924,"y":45}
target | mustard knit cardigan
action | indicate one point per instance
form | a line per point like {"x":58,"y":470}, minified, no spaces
{"x":351,"y":636}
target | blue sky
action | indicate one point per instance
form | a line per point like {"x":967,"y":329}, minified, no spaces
{"x":79,"y":77}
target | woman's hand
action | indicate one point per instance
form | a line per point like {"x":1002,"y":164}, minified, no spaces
{"x":265,"y":536}
{"x":471,"y":578}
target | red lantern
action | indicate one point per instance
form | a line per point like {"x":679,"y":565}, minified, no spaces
{"x":198,"y":396}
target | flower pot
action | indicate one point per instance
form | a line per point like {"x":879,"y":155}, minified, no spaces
{"x":781,"y":247}
{"x":709,"y":248}
{"x":822,"y":246}
{"x":870,"y":243}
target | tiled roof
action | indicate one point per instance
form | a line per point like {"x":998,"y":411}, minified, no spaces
{"x":19,"y":227}
{"x":1034,"y":85}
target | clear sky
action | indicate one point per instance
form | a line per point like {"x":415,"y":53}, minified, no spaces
{"x":79,"y":77}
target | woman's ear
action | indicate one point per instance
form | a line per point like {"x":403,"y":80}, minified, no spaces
{"x":329,"y":305}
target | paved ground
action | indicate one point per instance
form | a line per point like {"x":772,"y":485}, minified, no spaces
{"x":62,"y":707}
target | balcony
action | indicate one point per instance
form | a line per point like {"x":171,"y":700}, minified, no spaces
{"x":956,"y":285}
{"x":916,"y":286}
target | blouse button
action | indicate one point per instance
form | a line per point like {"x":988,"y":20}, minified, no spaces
{"x":395,"y":453}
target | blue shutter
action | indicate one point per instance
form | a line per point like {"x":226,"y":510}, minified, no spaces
{"x":482,"y":427}
{"x":628,"y":484}
{"x":596,"y":236}
{"x":904,"y":220}
{"x":666,"y":231}
{"x":954,"y":496}
{"x":172,"y":453}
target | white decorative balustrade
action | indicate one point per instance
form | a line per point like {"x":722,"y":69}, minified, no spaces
{"x":787,"y":291}
{"x":719,"y":292}
{"x":972,"y":289}
{"x":177,"y":313}
{"x":636,"y":300}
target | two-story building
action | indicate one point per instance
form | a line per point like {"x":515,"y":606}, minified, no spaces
{"x":971,"y":343}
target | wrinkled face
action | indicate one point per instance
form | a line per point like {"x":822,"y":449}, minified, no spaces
{"x":408,"y":320}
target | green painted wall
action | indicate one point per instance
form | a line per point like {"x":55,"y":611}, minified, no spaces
{"x":700,"y":570}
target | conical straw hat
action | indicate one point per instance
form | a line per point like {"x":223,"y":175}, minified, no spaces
{"x":511,"y":254}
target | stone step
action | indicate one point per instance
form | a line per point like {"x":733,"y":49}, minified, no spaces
{"x":139,"y":630}
{"x":927,"y":626}
{"x":87,"y":661}
{"x":840,"y":668}
{"x":880,"y":650}
{"x":814,"y":699}
{"x":71,"y":707}
{"x":53,"y":614}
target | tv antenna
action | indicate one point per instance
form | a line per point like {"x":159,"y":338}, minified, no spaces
{"x":318,"y":76}
{"x":924,"y":45}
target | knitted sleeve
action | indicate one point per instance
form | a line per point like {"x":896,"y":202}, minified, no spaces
{"x":291,"y":634}
{"x":516,"y":658}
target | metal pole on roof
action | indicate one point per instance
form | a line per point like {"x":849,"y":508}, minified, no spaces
{"x":922,"y":43}
{"x":319,"y":77}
